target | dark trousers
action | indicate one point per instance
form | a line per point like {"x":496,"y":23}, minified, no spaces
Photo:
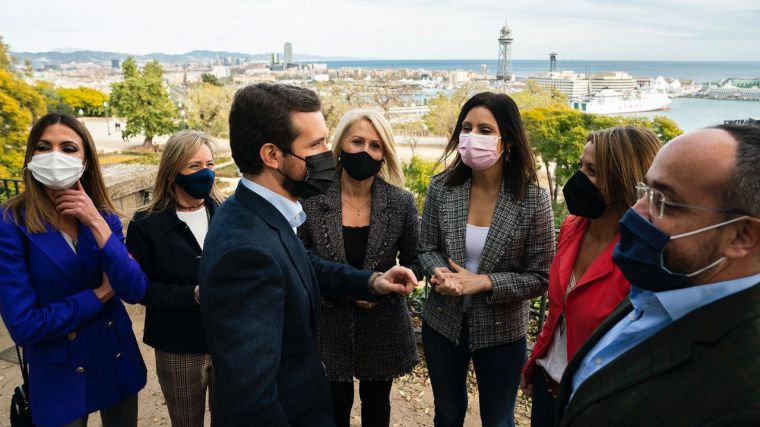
{"x":375,"y":397}
{"x":542,"y":412}
{"x":120,"y":414}
{"x":497,"y":370}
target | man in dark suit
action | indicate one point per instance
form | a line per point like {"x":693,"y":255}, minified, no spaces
{"x":259,"y":287}
{"x":684,"y":348}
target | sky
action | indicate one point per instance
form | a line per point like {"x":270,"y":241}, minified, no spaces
{"x":677,"y":30}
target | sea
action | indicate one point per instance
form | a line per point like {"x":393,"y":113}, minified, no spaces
{"x":689,"y":113}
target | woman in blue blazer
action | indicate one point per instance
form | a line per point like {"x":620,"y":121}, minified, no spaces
{"x":64,"y":270}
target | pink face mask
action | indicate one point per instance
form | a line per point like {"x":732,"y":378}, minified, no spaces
{"x":478,"y":151}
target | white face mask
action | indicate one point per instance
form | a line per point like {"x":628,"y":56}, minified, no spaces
{"x":55,"y":170}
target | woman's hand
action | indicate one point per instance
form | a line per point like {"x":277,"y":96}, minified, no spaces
{"x":526,"y":388}
{"x":104,"y":292}
{"x":75,"y":202}
{"x":468,"y":282}
{"x":449,"y":287}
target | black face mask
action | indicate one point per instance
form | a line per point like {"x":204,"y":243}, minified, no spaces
{"x":583,"y":198}
{"x":320,"y":172}
{"x":359,"y":166}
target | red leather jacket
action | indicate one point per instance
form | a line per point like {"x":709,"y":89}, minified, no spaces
{"x":596,"y":294}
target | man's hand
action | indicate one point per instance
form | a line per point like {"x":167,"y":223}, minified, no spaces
{"x":399,"y":280}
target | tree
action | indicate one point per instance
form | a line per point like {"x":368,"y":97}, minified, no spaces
{"x":387,"y":95}
{"x":336,"y":100}
{"x":665,"y":128}
{"x":89,"y":100}
{"x":210,"y":79}
{"x":444,"y":111}
{"x":558,"y":135}
{"x":52,"y":98}
{"x":20,"y":106}
{"x":208,"y":108}
{"x":533,"y":96}
{"x":144,"y":101}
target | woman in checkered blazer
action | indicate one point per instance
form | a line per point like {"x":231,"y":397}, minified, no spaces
{"x":486,"y":242}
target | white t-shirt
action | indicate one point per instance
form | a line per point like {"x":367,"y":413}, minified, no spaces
{"x":555,"y":360}
{"x":474,"y":242}
{"x":198,"y":223}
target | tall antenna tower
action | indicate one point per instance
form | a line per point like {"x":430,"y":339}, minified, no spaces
{"x":504,"y":69}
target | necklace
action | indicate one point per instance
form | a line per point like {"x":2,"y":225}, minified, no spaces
{"x":190,"y":208}
{"x":358,"y":210}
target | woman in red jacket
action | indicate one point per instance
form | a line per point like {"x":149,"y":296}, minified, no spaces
{"x":584,"y":284}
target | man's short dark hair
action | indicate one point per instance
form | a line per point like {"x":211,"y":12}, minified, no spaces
{"x":260,"y":114}
{"x":743,"y":192}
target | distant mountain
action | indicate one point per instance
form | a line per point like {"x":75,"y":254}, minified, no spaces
{"x":62,"y":56}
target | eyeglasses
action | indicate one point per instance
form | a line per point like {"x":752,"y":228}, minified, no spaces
{"x":658,"y":202}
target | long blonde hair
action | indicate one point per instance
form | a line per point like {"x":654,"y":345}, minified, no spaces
{"x":34,"y":203}
{"x":176,"y":153}
{"x":391,"y":169}
{"x":622,"y":156}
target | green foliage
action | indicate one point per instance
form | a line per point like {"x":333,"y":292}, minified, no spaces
{"x":89,"y":100}
{"x":144,"y":101}
{"x":208,"y":109}
{"x":665,"y":128}
{"x":533,"y":96}
{"x":417,"y":174}
{"x":444,"y":111}
{"x":52,"y":98}
{"x":20,"y":106}
{"x":558,"y":134}
{"x":211,"y":79}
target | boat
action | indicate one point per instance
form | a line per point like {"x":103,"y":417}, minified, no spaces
{"x":608,"y":101}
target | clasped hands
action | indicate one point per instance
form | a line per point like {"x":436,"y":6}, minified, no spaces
{"x":460,"y":281}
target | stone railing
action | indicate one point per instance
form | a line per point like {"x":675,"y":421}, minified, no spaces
{"x":129,"y":185}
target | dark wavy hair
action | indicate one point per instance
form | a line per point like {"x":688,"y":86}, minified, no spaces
{"x":260,"y":114}
{"x":519,"y":163}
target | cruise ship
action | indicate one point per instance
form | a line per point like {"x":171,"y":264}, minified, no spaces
{"x":609,"y":101}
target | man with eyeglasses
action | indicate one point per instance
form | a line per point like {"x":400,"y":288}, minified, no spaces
{"x":684,"y":348}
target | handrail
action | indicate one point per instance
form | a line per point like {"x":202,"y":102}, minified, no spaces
{"x":10,"y":187}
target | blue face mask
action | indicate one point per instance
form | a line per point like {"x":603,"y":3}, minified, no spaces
{"x":640,"y":254}
{"x":198,"y":184}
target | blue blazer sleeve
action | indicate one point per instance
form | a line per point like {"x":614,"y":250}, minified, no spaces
{"x":340,"y":280}
{"x":127,"y":279}
{"x":27,"y":321}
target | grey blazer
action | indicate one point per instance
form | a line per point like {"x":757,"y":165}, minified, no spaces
{"x":518,"y":250}
{"x":376,"y":343}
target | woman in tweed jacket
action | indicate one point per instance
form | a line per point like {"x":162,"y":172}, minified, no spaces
{"x":486,"y":243}
{"x":365,"y":219}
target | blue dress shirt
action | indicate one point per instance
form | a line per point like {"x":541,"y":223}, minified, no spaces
{"x":293,"y":212}
{"x":653,"y":311}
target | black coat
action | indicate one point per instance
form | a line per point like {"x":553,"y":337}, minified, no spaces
{"x":170,"y":256}
{"x":260,"y":291}
{"x":354,"y":341}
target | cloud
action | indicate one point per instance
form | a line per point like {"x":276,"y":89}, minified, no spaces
{"x":581,"y":29}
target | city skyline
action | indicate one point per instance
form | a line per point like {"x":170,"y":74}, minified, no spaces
{"x":672,"y":30}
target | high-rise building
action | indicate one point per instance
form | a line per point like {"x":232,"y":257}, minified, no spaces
{"x":288,"y":54}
